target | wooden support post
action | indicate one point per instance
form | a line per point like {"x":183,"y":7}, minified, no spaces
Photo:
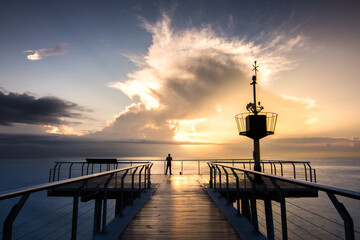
{"x":8,"y":223}
{"x":245,"y":208}
{"x":118,"y":210}
{"x":97,"y":216}
{"x":269,"y":219}
{"x":348,"y":222}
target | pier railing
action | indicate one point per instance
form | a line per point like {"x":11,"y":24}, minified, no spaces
{"x":122,"y":185}
{"x":292,"y":169}
{"x":250,"y":191}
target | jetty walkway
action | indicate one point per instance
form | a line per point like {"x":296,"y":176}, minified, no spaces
{"x":179,"y":209}
{"x":222,"y":201}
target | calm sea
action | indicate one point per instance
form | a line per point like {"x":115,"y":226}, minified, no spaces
{"x":18,"y":173}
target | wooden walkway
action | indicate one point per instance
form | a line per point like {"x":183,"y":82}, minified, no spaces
{"x":179,"y":209}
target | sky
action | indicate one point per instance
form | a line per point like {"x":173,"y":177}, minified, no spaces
{"x":144,"y":78}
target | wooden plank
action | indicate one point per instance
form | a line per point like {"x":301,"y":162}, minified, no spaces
{"x":179,"y":209}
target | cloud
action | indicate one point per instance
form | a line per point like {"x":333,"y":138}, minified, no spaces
{"x":41,"y":53}
{"x":24,"y":108}
{"x":310,"y":103}
{"x":321,"y":146}
{"x":186,"y":75}
{"x":31,"y":146}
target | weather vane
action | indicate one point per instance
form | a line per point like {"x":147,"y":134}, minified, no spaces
{"x":253,"y":107}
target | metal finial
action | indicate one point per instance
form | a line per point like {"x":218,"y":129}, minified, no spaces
{"x":255,"y":67}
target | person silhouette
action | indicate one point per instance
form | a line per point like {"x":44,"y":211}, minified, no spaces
{"x":168,"y":163}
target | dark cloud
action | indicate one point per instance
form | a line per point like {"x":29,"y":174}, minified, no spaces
{"x":24,"y":108}
{"x":41,"y":53}
{"x":30,"y":146}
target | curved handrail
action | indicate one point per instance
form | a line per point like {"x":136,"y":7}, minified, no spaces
{"x":336,"y":190}
{"x":41,"y":187}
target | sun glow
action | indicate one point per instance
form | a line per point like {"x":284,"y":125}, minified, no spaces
{"x":62,"y":129}
{"x":185,"y":130}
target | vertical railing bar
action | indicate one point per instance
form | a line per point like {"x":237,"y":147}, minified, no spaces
{"x":211,"y":175}
{"x":348,"y":221}
{"x":82,"y":169}
{"x":305,"y":172}
{"x":122,"y":192}
{"x":254,"y":218}
{"x":227,"y":186}
{"x":132,"y":185}
{"x":8,"y":223}
{"x":219,"y":177}
{"x":310,"y":171}
{"x":237,"y":192}
{"x":75,"y":212}
{"x":294,"y":170}
{"x":70,"y":169}
{"x":105,"y":203}
{"x":140,"y":180}
{"x":59,"y":172}
{"x":283,"y":209}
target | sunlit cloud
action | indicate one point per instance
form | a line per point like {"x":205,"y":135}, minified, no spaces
{"x":191,"y":74}
{"x":41,"y":53}
{"x":185,"y":130}
{"x":62,"y":130}
{"x":310,"y":103}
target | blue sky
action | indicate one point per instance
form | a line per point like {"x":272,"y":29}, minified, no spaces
{"x":171,"y":72}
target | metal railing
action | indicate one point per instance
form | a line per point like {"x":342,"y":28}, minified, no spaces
{"x":293,"y":169}
{"x":238,"y":179}
{"x":279,"y":167}
{"x":112,"y":180}
{"x":69,"y":169}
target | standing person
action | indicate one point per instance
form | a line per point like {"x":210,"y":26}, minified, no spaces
{"x":168,"y":163}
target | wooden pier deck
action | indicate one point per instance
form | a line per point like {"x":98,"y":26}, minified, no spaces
{"x":179,"y":209}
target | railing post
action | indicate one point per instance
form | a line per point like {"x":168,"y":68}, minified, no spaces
{"x":348,"y":222}
{"x":8,"y":223}
{"x":198,"y":167}
{"x":294,"y":170}
{"x":56,"y":164}
{"x":282,"y":171}
{"x":227,"y":186}
{"x":75,"y":212}
{"x":120,"y":206}
{"x":211,"y":176}
{"x":214,"y":169}
{"x":305,"y":172}
{"x":283,"y":210}
{"x":132,"y":186}
{"x":140,"y":181}
{"x":254,"y":217}
{"x":59,"y":172}
{"x":311,"y":178}
{"x":70,"y":169}
{"x":105,"y":202}
{"x":82,"y":169}
{"x":145,"y":177}
{"x":149,"y":175}
{"x":219,"y":177}
{"x":237,"y":192}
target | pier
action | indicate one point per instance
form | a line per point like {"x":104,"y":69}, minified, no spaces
{"x":133,"y":200}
